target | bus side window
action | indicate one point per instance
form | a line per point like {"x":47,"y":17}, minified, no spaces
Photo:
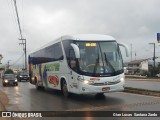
{"x":73,"y":64}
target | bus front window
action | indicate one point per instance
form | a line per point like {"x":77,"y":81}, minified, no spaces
{"x":99,"y":58}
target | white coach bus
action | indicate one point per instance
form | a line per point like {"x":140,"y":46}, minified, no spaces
{"x":80,"y":64}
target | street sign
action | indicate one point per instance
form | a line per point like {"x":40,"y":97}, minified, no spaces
{"x":158,"y":38}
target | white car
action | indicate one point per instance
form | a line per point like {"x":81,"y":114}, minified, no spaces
{"x":158,"y":75}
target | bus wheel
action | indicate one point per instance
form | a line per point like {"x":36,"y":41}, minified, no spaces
{"x":36,"y":84}
{"x":65,"y":89}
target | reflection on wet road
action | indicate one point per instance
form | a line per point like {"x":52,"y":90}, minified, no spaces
{"x":25,"y":97}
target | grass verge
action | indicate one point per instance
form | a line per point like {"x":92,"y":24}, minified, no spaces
{"x":142,"y":91}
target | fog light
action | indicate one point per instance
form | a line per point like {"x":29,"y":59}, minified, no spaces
{"x":83,"y":88}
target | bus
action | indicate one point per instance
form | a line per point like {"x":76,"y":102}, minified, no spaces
{"x":80,"y":64}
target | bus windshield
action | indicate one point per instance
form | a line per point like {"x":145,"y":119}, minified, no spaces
{"x":100,"y":58}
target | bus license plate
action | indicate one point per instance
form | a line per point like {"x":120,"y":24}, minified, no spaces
{"x":106,"y":89}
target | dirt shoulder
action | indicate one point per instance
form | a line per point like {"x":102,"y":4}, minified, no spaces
{"x":3,"y":101}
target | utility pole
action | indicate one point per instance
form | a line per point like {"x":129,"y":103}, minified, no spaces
{"x":25,"y":52}
{"x":131,"y":52}
{"x":1,"y":58}
{"x":153,"y":59}
{"x":21,"y":35}
{"x":135,"y":55}
{"x":8,"y":65}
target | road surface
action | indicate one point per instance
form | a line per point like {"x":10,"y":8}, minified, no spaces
{"x":146,"y":84}
{"x":25,"y":97}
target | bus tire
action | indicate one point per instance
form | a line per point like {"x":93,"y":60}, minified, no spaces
{"x":36,"y":84}
{"x":65,"y":89}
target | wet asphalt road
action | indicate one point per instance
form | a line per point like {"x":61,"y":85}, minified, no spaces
{"x":25,"y":97}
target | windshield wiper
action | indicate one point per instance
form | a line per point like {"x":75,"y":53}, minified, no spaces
{"x":107,"y":62}
{"x":96,"y":65}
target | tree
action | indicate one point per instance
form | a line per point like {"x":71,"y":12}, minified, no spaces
{"x":8,"y":71}
{"x":152,"y":72}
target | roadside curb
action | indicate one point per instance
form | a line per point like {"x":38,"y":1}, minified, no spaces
{"x":149,"y":80}
{"x":142,"y":91}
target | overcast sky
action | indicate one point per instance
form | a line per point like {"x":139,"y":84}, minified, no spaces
{"x":133,"y":22}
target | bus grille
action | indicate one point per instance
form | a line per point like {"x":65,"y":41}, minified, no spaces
{"x":106,"y":83}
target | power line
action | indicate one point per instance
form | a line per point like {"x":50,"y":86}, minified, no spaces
{"x":11,"y":9}
{"x":18,"y":21}
{"x":23,"y":16}
{"x":17,"y":60}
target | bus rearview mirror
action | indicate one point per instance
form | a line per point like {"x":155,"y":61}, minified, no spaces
{"x":126,"y":48}
{"x":76,"y":50}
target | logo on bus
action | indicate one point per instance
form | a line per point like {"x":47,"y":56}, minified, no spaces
{"x":53,"y":80}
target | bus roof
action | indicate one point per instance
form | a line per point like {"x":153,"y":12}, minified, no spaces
{"x":83,"y":37}
{"x":88,"y":37}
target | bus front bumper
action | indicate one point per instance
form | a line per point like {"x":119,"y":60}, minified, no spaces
{"x":90,"y":89}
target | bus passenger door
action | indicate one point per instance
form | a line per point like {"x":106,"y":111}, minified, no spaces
{"x":73,"y":82}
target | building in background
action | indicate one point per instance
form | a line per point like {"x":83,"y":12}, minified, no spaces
{"x":137,"y":67}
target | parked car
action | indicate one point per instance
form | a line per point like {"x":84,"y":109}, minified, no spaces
{"x":158,"y":75}
{"x":9,"y":79}
{"x":23,"y":76}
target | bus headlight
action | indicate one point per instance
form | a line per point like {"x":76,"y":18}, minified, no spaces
{"x":122,"y":79}
{"x":86,"y":81}
{"x":32,"y":78}
{"x":15,"y":80}
{"x":6,"y":81}
{"x":89,"y":82}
